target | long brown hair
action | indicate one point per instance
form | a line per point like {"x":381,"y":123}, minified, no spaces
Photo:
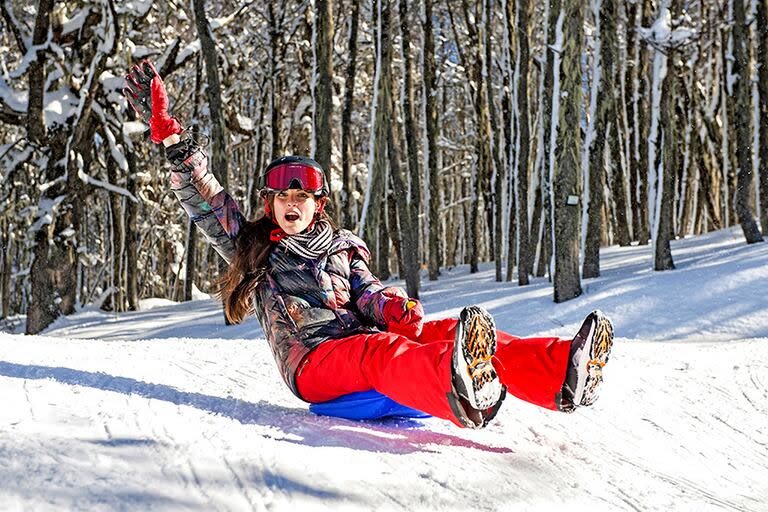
{"x":251,"y":261}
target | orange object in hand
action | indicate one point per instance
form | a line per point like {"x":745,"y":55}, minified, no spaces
{"x":409,"y":304}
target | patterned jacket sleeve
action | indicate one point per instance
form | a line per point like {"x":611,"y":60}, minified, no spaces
{"x":206,"y":202}
{"x":368,"y":293}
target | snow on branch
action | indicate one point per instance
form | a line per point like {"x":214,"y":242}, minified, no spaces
{"x":115,"y":151}
{"x":12,"y":99}
{"x":138,"y":8}
{"x":667,"y":33}
{"x":173,"y":58}
{"x":45,"y":212}
{"x":12,"y":157}
{"x":90,"y":180}
{"x":21,"y":40}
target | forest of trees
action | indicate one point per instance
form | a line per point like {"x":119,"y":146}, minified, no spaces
{"x":453,"y":132}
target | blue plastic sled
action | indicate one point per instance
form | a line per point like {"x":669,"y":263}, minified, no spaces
{"x":365,"y":405}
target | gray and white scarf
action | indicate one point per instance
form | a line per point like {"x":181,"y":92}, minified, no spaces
{"x":311,"y":244}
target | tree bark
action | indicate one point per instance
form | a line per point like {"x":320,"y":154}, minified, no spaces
{"x":482,"y":138}
{"x":430,"y":122}
{"x":53,"y":273}
{"x":116,"y":301}
{"x":132,"y":237}
{"x":504,"y":174}
{"x":407,"y":231}
{"x":5,"y":283}
{"x":190,"y":253}
{"x":346,"y":207}
{"x":322,"y":91}
{"x":219,"y":159}
{"x":567,"y":163}
{"x":669,"y":149}
{"x":603,"y":87}
{"x":762,"y":85}
{"x":521,"y":176}
{"x":743,"y":122}
{"x":411,"y":137}
{"x":642,"y":104}
{"x":373,"y":229}
{"x":37,"y":74}
{"x":547,"y":141}
{"x":274,"y":98}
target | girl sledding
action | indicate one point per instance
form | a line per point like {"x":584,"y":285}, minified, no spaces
{"x":333,"y":327}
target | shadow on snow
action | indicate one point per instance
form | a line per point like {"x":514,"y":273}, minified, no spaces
{"x":298,"y":425}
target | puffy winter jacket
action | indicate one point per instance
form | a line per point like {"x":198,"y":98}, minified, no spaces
{"x":301,"y":303}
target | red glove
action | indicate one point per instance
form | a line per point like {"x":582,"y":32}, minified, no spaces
{"x":146,"y":94}
{"x":404,"y":316}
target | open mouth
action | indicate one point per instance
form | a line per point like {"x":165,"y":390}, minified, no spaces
{"x":291,"y":217}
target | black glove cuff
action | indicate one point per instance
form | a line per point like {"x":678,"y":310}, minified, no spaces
{"x":177,"y":153}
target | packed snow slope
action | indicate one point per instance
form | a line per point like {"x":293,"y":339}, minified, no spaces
{"x":168,"y":409}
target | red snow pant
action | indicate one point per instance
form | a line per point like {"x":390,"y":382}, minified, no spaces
{"x":417,"y":372}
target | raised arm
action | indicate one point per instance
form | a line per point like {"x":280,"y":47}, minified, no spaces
{"x":212,"y":210}
{"x":208,"y":205}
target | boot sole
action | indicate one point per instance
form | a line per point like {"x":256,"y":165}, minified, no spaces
{"x":592,"y":361}
{"x":474,"y":347}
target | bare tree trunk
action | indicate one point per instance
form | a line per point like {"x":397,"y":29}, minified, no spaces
{"x":618,"y":188}
{"x":727,"y":114}
{"x":322,"y":91}
{"x":521,"y":177}
{"x":631,"y":83}
{"x":567,"y":161}
{"x":547,"y":142}
{"x":219,"y":156}
{"x":642,"y":104}
{"x":346,"y":207}
{"x":37,"y":74}
{"x":671,"y":158}
{"x":219,"y":160}
{"x":53,"y":274}
{"x":482,"y":137}
{"x":116,"y":301}
{"x":505,"y":218}
{"x":5,"y":284}
{"x":604,"y":87}
{"x":762,"y":84}
{"x":190,"y":253}
{"x":132,"y":237}
{"x":42,"y":309}
{"x":430,"y":122}
{"x":742,"y":120}
{"x":274,"y":105}
{"x":407,"y":232}
{"x":372,"y":228}
{"x":411,"y":136}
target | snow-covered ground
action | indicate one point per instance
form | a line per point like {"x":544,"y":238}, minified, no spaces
{"x":168,"y":409}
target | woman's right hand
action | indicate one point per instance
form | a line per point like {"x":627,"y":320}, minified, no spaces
{"x":404,"y":316}
{"x":146,"y":94}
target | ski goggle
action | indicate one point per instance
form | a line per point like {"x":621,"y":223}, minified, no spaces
{"x":295,"y":175}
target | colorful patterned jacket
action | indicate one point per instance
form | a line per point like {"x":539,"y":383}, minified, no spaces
{"x":301,"y":303}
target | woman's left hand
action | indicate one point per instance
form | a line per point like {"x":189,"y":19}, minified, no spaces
{"x":146,"y":94}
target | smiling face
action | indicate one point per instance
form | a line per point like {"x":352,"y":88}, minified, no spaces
{"x":294,"y":210}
